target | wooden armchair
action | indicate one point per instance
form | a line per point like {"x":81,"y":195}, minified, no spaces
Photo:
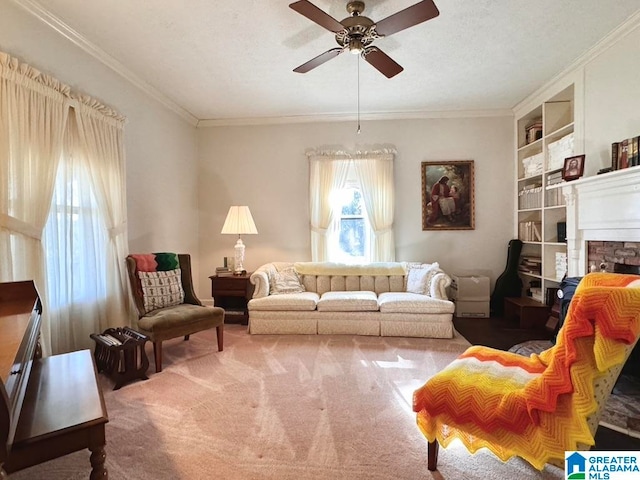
{"x":167,"y":305}
{"x":540,"y":406}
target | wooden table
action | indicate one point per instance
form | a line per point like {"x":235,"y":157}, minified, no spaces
{"x":232,"y":292}
{"x":63,"y":412}
{"x":529,"y":312}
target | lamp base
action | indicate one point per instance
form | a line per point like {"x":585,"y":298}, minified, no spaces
{"x":238,"y":267}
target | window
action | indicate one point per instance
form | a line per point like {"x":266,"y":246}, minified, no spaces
{"x":74,"y":240}
{"x":351,"y":203}
{"x":351,"y":237}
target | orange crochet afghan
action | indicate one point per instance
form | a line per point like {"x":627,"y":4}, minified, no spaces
{"x":536,"y":407}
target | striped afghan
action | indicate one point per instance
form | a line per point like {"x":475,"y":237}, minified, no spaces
{"x":536,"y":407}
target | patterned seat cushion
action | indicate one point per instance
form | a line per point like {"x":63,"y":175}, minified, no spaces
{"x":348,"y":302}
{"x":407,"y":302}
{"x":286,"y":301}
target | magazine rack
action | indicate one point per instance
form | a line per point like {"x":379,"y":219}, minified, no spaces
{"x":120,"y":355}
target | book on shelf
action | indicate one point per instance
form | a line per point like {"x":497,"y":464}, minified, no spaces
{"x":624,"y":150}
{"x":614,"y":155}
{"x":530,"y":231}
{"x":625,"y":154}
{"x":531,"y":265}
{"x":551,"y":295}
{"x":554,"y":178}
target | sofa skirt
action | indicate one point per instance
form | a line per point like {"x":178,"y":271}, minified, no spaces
{"x":351,"y":323}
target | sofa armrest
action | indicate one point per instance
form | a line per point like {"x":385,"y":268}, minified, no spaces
{"x":260,"y":279}
{"x":439,"y":284}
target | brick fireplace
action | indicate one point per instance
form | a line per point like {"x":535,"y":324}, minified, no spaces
{"x":603,"y":221}
{"x":613,"y":256}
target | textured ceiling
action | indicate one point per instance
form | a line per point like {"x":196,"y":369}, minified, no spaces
{"x":234,"y":59}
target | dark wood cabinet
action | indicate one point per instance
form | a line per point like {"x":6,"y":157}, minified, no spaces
{"x":232,"y":292}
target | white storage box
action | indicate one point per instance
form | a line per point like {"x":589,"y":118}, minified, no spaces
{"x":533,"y":165}
{"x":470,"y":288}
{"x":558,"y":151}
{"x":472,"y":309}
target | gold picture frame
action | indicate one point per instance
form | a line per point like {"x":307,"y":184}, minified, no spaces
{"x":448,"y":197}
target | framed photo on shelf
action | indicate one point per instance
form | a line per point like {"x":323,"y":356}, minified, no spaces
{"x":448,"y":195}
{"x":573,"y":168}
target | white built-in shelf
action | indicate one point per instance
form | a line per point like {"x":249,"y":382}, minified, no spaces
{"x":534,"y":275}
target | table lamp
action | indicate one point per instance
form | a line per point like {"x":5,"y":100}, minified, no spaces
{"x":239,"y":222}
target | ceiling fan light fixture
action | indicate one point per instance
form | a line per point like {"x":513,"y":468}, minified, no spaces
{"x":355,"y":46}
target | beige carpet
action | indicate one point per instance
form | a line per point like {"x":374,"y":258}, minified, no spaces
{"x":281,"y":407}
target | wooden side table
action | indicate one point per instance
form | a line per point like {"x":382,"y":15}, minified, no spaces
{"x":529,"y":312}
{"x":232,"y":292}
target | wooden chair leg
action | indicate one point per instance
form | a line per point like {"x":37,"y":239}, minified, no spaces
{"x":220,"y":335}
{"x":432,"y":453}
{"x":186,"y":337}
{"x":157,"y":355}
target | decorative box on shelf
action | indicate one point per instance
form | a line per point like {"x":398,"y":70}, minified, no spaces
{"x":534,"y":130}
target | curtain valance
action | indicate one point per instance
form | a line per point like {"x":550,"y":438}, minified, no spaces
{"x":33,"y":79}
{"x":378,"y":153}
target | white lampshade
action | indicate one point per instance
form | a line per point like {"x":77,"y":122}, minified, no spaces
{"x":239,"y":221}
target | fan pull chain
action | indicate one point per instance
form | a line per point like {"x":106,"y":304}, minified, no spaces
{"x":358,"y":131}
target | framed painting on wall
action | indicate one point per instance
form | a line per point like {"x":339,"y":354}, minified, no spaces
{"x":447,"y":195}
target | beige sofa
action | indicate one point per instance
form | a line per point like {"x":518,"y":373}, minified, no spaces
{"x":367,"y":299}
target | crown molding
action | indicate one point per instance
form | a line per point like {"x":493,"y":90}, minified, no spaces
{"x":79,"y":40}
{"x":350,"y":117}
{"x":617,"y":34}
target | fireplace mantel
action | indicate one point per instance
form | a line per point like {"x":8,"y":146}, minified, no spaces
{"x":603,"y":207}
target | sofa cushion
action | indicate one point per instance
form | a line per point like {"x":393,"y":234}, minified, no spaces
{"x":407,"y":302}
{"x":161,"y":289}
{"x":348,"y":302}
{"x":286,"y":301}
{"x":284,"y":281}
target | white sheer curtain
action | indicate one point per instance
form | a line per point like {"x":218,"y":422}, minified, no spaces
{"x":101,"y":133}
{"x":326,"y":174}
{"x":74,"y":246}
{"x":75,"y":237}
{"x":375,"y":174}
{"x":32,"y":119}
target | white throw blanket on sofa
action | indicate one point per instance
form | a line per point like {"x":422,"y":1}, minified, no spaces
{"x":331,"y":268}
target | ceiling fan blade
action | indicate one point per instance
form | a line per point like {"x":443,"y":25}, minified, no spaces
{"x":410,"y":16}
{"x":313,"y":13}
{"x":319,"y":60}
{"x":383,"y":62}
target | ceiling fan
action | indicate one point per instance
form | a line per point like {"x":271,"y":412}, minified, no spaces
{"x":356,"y":33}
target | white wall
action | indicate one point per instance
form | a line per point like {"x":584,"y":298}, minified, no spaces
{"x":265,"y":168}
{"x":160,"y":146}
{"x":612,"y":100}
